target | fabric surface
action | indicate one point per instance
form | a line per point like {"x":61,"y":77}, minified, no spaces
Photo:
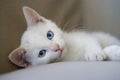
{"x":68,"y":71}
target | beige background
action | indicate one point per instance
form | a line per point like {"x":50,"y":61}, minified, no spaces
{"x":92,"y":14}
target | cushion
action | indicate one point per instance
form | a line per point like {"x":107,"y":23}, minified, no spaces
{"x":68,"y":71}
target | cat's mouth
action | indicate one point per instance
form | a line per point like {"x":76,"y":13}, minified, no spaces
{"x":60,"y":51}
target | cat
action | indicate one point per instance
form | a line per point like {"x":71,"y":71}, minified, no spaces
{"x":44,"y":42}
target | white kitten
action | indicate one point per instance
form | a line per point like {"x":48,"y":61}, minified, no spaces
{"x":43,"y":42}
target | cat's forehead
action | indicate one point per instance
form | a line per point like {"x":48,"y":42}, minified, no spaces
{"x":44,"y":27}
{"x":37,"y":35}
{"x":38,"y":29}
{"x":34,"y":38}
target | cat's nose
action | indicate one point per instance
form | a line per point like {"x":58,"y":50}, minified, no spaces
{"x":56,"y":48}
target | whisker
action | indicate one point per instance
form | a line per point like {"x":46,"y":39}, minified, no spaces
{"x":73,"y":27}
{"x":66,"y":24}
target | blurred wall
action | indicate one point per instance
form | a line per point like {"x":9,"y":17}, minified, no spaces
{"x":102,"y":15}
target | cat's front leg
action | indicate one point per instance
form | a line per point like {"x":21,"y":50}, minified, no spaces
{"x":113,"y":52}
{"x":94,"y":52}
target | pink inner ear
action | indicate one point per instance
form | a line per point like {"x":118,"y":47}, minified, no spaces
{"x":17,"y":57}
{"x":39,"y":20}
{"x":32,"y":17}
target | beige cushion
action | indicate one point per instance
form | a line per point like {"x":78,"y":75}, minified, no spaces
{"x":68,"y":71}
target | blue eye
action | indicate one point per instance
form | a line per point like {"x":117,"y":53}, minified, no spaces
{"x":50,"y":35}
{"x":42,"y":53}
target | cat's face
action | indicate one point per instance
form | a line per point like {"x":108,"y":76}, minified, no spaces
{"x":41,"y":43}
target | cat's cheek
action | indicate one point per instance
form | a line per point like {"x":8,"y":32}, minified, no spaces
{"x":61,"y":44}
{"x":34,"y":63}
{"x":63,"y":54}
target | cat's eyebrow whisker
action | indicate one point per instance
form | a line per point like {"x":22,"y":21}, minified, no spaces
{"x":73,"y":27}
{"x":78,"y":27}
{"x":66,"y":24}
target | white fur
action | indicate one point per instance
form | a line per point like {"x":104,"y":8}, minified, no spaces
{"x":35,"y":39}
{"x":76,"y":45}
{"x":87,"y":46}
{"x":113,"y":51}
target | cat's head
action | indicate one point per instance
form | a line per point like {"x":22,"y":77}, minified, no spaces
{"x":41,"y":43}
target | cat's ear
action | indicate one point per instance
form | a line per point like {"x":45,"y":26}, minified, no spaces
{"x":32,"y":17}
{"x":17,"y":57}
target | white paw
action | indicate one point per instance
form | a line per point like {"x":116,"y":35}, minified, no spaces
{"x":95,"y":56}
{"x":113,"y":52}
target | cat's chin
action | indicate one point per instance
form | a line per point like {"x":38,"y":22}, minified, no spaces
{"x":60,"y":52}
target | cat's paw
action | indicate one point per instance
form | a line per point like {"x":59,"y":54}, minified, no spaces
{"x":95,"y":56}
{"x":113,"y":52}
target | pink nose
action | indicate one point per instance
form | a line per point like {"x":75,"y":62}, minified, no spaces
{"x":57,"y":48}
